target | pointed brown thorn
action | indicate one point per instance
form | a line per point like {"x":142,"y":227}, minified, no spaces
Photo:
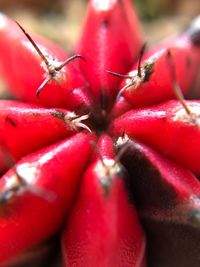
{"x":48,"y":78}
{"x":176,"y":87}
{"x":34,"y":44}
{"x":142,"y":50}
{"x":52,"y":73}
{"x":47,"y":63}
{"x":131,"y":83}
{"x":119,"y":75}
{"x":139,"y":72}
{"x":64,"y":63}
{"x":124,"y":77}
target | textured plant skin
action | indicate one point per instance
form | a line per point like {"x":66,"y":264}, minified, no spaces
{"x":110,"y":29}
{"x":72,"y":91}
{"x":168,"y":206}
{"x":22,"y":125}
{"x":28,"y":209}
{"x":109,"y":226}
{"x":173,"y":122}
{"x":158,"y":86}
{"x":99,"y":152}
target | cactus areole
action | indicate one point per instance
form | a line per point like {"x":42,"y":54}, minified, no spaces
{"x":100,"y":151}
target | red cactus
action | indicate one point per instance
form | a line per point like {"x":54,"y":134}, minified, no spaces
{"x":107,"y":168}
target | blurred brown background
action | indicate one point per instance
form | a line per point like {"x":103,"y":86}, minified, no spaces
{"x":60,"y":20}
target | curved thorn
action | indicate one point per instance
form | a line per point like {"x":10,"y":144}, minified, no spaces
{"x":49,"y":77}
{"x":83,"y":117}
{"x":64,"y":63}
{"x":78,"y":122}
{"x":176,"y":87}
{"x":34,"y":44}
{"x":83,"y":126}
{"x":77,"y":56}
{"x":121,"y":151}
{"x":124,"y":89}
{"x":171,"y":65}
{"x":119,"y":75}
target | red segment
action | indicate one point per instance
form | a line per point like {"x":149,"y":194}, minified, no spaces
{"x":168,"y":184}
{"x":159,"y":85}
{"x":120,"y":106}
{"x":166,"y":127}
{"x":25,"y":128}
{"x":103,"y":228}
{"x":167,"y":200}
{"x":110,"y":40}
{"x":24,"y":71}
{"x":30,"y":219}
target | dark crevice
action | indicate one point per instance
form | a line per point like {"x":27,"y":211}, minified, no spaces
{"x":145,"y":184}
{"x":11,"y":121}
